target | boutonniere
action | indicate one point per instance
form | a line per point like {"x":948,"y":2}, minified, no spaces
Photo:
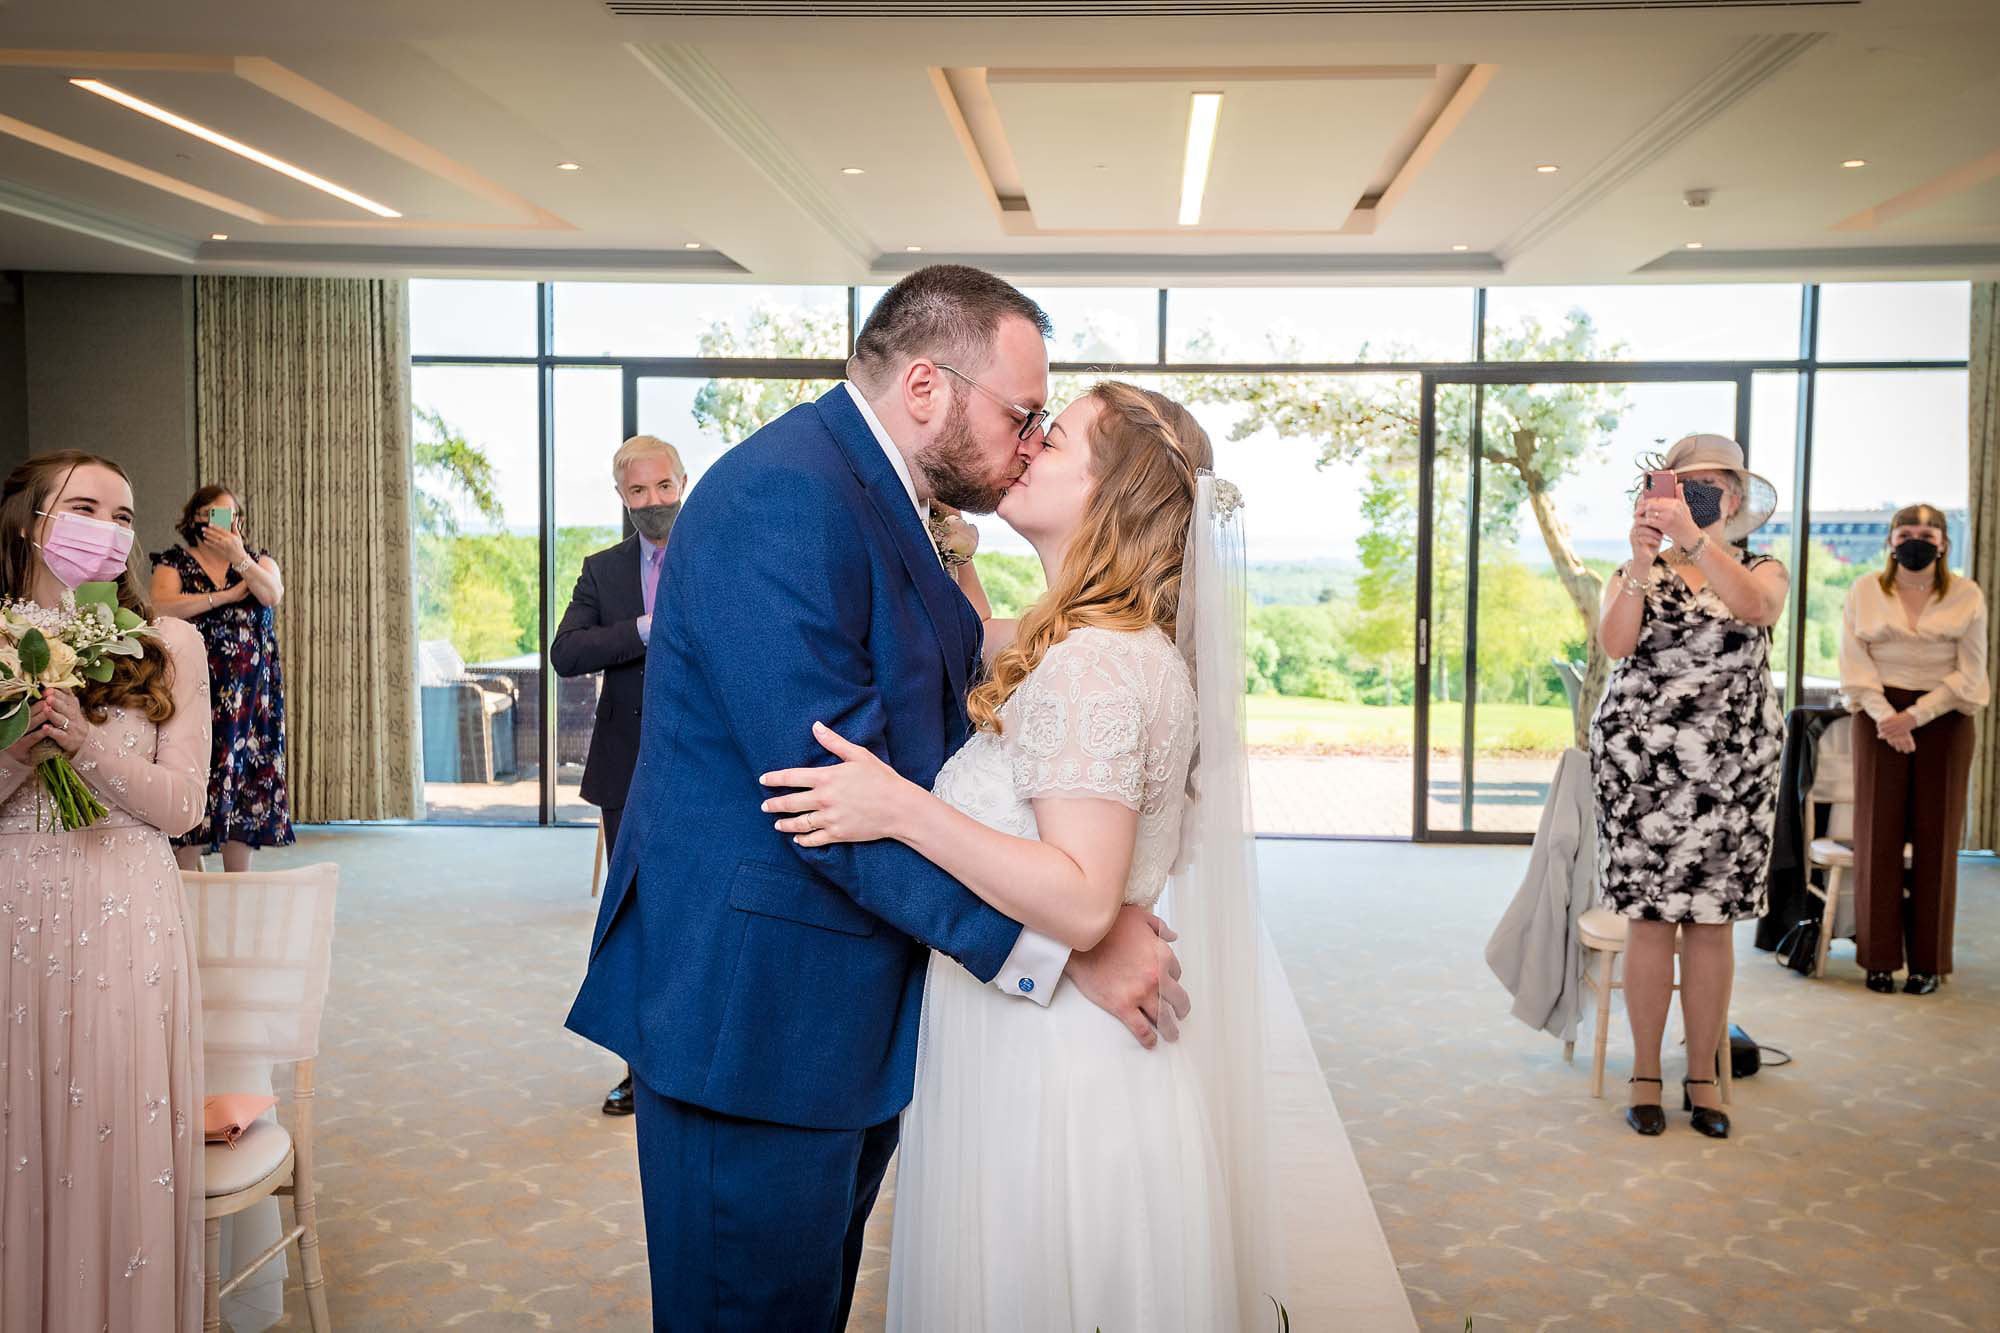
{"x":954,"y":538}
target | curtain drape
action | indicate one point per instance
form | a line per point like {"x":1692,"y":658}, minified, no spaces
{"x":1982,"y":823}
{"x":302,"y":409}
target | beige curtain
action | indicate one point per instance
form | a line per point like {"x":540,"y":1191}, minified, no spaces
{"x":1982,"y":824}
{"x":302,"y":408}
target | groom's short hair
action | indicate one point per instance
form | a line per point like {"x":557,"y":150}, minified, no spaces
{"x":947,"y":312}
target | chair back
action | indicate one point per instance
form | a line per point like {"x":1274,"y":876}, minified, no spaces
{"x":263,"y":947}
{"x":1833,"y":779}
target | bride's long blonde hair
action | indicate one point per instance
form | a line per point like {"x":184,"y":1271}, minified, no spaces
{"x":1122,"y":568}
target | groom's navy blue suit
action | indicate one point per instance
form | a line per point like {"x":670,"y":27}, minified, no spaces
{"x":767,"y":995}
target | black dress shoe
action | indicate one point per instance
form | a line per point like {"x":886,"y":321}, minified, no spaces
{"x":1920,"y":983}
{"x":1882,"y":982}
{"x":1650,"y":1120}
{"x":618,"y":1101}
{"x":1707,"y":1120}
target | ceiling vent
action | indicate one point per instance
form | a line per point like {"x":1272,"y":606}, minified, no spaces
{"x":1100,"y":9}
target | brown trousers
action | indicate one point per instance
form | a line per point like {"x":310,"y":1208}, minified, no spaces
{"x":1918,"y":799}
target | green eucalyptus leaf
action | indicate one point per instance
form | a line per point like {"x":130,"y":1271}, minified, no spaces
{"x":34,"y":653}
{"x":14,"y":725}
{"x":100,"y":670}
{"x":103,"y":593}
{"x":126,"y":619}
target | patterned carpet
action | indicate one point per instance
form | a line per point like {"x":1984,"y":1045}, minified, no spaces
{"x":468,"y":1180}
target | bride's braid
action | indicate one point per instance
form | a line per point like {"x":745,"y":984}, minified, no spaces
{"x":1122,"y":568}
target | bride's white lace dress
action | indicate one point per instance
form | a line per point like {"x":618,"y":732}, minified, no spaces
{"x":1054,"y":1174}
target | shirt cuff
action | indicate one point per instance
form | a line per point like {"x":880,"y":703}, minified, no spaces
{"x":645,"y":624}
{"x":1033,"y":968}
{"x":1933,"y":706}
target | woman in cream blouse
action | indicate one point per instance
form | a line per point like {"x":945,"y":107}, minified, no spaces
{"x":1913,"y":668}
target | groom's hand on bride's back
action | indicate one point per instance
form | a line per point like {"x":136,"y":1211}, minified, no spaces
{"x":1134,"y":976}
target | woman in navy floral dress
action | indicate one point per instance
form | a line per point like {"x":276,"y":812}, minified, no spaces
{"x":229,"y":594}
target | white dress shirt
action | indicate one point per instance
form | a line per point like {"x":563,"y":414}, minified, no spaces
{"x":1037,"y":962}
{"x":1943,"y":657}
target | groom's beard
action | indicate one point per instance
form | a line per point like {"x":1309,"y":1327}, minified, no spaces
{"x":952,"y":465}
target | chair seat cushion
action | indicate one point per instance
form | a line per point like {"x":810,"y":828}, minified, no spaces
{"x":260,"y":1151}
{"x":1603,"y":927}
{"x":1834,"y":852}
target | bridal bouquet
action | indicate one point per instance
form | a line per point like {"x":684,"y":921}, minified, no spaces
{"x":59,"y":648}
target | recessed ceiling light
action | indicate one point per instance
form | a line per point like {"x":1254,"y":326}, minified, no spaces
{"x":1854,"y":162}
{"x":218,"y":236}
{"x":1548,"y":168}
{"x":914,"y":249}
{"x":1694,"y":245}
{"x":690,"y":245}
{"x":569,"y":166}
{"x":1204,"y":111}
{"x":852,"y":171}
{"x":1461,"y":247}
{"x":223,"y":141}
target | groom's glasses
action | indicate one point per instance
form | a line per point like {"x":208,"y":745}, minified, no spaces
{"x":1033,"y":420}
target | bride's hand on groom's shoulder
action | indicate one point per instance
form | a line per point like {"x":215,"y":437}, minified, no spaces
{"x":859,"y":799}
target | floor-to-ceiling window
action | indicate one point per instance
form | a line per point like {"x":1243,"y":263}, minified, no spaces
{"x":1437,"y":479}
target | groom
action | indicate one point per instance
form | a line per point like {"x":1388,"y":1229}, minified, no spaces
{"x":767,"y":995}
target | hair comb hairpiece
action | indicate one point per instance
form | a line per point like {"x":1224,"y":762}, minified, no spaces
{"x":1228,"y":498}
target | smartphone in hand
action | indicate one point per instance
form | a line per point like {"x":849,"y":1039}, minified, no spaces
{"x":1662,"y":485}
{"x":222,"y":518}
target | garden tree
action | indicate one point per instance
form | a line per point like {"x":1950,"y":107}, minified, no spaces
{"x":458,"y":597}
{"x":734,"y":408}
{"x":1533,"y":437}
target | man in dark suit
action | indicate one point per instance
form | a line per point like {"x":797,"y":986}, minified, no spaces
{"x":610,"y":617}
{"x":767,"y":994}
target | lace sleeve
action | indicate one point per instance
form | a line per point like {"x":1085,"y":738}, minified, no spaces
{"x":168,"y":788}
{"x":1089,"y":721}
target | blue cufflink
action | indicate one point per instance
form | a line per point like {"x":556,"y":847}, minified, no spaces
{"x":1027,"y":985}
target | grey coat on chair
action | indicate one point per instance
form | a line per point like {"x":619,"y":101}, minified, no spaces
{"x":1534,"y":950}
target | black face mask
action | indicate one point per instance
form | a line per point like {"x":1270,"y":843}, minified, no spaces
{"x":1704,"y":502}
{"x":654,"y":522}
{"x":1916,"y":553}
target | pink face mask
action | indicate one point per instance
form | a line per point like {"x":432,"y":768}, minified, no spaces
{"x":84,"y":550}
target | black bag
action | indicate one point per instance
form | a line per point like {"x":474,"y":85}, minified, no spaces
{"x":1745,"y":1056}
{"x":1799,"y":947}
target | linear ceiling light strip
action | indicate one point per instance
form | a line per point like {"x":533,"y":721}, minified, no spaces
{"x":223,"y":141}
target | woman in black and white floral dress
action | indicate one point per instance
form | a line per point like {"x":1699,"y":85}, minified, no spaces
{"x":1684,"y":753}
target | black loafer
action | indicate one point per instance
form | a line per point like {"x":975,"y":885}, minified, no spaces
{"x":1920,"y":983}
{"x":618,"y":1101}
{"x":1648,"y":1120}
{"x":1883,"y":983}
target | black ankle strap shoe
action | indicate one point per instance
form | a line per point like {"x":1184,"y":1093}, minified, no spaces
{"x":1707,"y":1120}
{"x":1650,"y":1120}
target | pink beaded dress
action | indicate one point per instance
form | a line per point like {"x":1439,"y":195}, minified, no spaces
{"x":100,"y":1031}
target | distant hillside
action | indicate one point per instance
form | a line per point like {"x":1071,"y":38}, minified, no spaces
{"x":1299,"y":582}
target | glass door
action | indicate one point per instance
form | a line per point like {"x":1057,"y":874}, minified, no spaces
{"x":1531,"y":477}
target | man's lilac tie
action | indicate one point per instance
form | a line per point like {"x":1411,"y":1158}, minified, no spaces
{"x":651,"y":583}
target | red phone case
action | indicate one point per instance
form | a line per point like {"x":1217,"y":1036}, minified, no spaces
{"x":1654,"y":488}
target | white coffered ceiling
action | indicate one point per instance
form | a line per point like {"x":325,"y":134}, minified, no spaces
{"x":1370,"y":141}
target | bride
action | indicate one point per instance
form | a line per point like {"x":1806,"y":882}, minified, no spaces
{"x":1054,"y":1175}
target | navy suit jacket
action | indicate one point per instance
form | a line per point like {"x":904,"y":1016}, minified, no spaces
{"x":732,"y":968}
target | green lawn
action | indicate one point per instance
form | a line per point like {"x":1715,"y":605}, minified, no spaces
{"x":1317,"y":724}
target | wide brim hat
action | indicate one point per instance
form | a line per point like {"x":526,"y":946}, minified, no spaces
{"x":1704,"y":453}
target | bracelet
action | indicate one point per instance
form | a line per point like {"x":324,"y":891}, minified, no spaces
{"x":1632,"y":588}
{"x":1694,"y":552}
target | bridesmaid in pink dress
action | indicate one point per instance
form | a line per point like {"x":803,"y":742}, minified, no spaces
{"x":100,"y":1013}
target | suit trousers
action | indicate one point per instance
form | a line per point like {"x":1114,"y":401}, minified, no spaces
{"x":1918,"y":799}
{"x":753,"y":1226}
{"x":611,"y":816}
